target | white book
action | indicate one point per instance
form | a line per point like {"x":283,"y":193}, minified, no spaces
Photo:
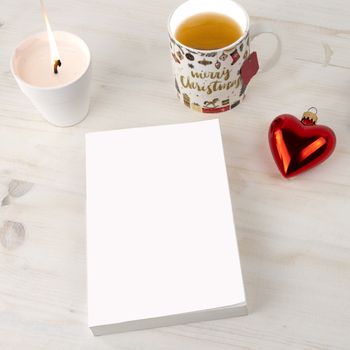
{"x":161,"y":242}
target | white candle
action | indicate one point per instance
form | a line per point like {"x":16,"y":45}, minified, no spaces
{"x":62,"y":98}
{"x":32,"y":61}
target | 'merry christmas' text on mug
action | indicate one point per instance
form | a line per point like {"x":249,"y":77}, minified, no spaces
{"x":212,"y":81}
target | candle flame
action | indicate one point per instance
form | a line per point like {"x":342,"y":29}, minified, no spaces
{"x":55,"y":57}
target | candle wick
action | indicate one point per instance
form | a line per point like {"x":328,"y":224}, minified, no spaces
{"x":57,"y":64}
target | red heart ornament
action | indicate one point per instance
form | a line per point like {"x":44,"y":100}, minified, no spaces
{"x":297,"y":145}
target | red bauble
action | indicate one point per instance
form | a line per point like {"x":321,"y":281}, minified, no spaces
{"x":297,"y":145}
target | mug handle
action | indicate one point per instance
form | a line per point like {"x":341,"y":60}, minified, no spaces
{"x":262,"y":28}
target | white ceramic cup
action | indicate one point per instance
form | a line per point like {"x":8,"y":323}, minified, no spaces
{"x":211,"y":81}
{"x":61,"y":105}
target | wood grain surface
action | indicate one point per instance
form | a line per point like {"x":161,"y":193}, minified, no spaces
{"x":294,"y":236}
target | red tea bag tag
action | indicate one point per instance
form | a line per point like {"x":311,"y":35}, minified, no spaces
{"x":249,"y":68}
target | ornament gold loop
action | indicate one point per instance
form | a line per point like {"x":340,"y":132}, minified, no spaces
{"x":310,"y":116}
{"x":313,"y":108}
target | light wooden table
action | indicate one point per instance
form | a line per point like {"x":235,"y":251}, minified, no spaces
{"x":294,"y":236}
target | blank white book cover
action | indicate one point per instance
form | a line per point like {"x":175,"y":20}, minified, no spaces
{"x":161,"y":242}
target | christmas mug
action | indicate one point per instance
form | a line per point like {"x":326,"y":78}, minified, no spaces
{"x":212,"y":81}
